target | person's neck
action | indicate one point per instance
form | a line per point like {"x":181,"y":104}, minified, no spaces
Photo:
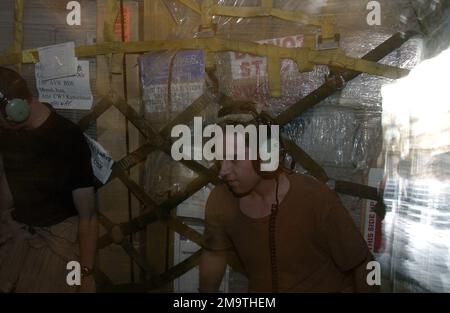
{"x":265,"y":190}
{"x":39,"y":113}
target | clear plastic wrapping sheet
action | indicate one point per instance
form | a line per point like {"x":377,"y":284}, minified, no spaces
{"x":244,"y":77}
{"x":186,"y":20}
{"x":347,"y":137}
{"x":434,"y":17}
{"x":164,"y":177}
{"x":258,"y":28}
{"x":338,"y":137}
{"x":353,"y":206}
{"x":439,"y":166}
{"x":170,"y":82}
{"x":417,"y":226}
{"x":181,"y":71}
{"x":365,"y":90}
{"x":237,"y":74}
{"x":349,"y":13}
{"x":416,"y":230}
{"x":347,"y":134}
{"x":342,"y":133}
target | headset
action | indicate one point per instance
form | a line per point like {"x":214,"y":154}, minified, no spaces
{"x":14,"y":110}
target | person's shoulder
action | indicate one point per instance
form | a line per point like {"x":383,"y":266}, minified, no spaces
{"x":308,"y":184}
{"x":219,"y":194}
{"x":315,"y":193}
{"x":221,"y":201}
{"x":68,"y":135}
{"x":66,"y":128}
{"x":64,"y":122}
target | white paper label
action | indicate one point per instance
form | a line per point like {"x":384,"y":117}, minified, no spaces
{"x":58,"y":60}
{"x":101,"y":160}
{"x":72,"y":92}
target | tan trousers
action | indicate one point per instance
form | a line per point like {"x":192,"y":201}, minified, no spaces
{"x":35,"y":259}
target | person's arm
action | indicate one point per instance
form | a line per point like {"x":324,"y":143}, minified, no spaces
{"x":84,"y":200}
{"x":212,"y":268}
{"x":215,"y":242}
{"x":346,"y":245}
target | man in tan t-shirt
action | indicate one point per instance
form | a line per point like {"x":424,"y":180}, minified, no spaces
{"x":290,"y":233}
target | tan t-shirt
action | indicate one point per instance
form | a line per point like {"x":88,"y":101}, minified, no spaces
{"x":317,"y":242}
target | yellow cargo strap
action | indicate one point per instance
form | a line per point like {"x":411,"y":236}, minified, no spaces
{"x":16,"y":46}
{"x":305,"y":57}
{"x":111,"y":13}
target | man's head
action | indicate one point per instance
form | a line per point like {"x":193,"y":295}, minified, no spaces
{"x":242,"y":175}
{"x":14,"y":99}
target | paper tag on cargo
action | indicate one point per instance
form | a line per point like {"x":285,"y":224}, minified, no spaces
{"x":58,"y":60}
{"x":73,"y":92}
{"x":101,"y":160}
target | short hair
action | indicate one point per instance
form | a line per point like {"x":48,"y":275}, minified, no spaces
{"x":13,"y":86}
{"x":233,"y":112}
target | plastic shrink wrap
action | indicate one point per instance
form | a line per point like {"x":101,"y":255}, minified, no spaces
{"x":343,"y":133}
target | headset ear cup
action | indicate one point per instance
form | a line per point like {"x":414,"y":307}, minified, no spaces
{"x":17,"y":110}
{"x":263,"y":174}
{"x":265,"y":120}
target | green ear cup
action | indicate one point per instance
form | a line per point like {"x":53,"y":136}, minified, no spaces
{"x":17,"y":110}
